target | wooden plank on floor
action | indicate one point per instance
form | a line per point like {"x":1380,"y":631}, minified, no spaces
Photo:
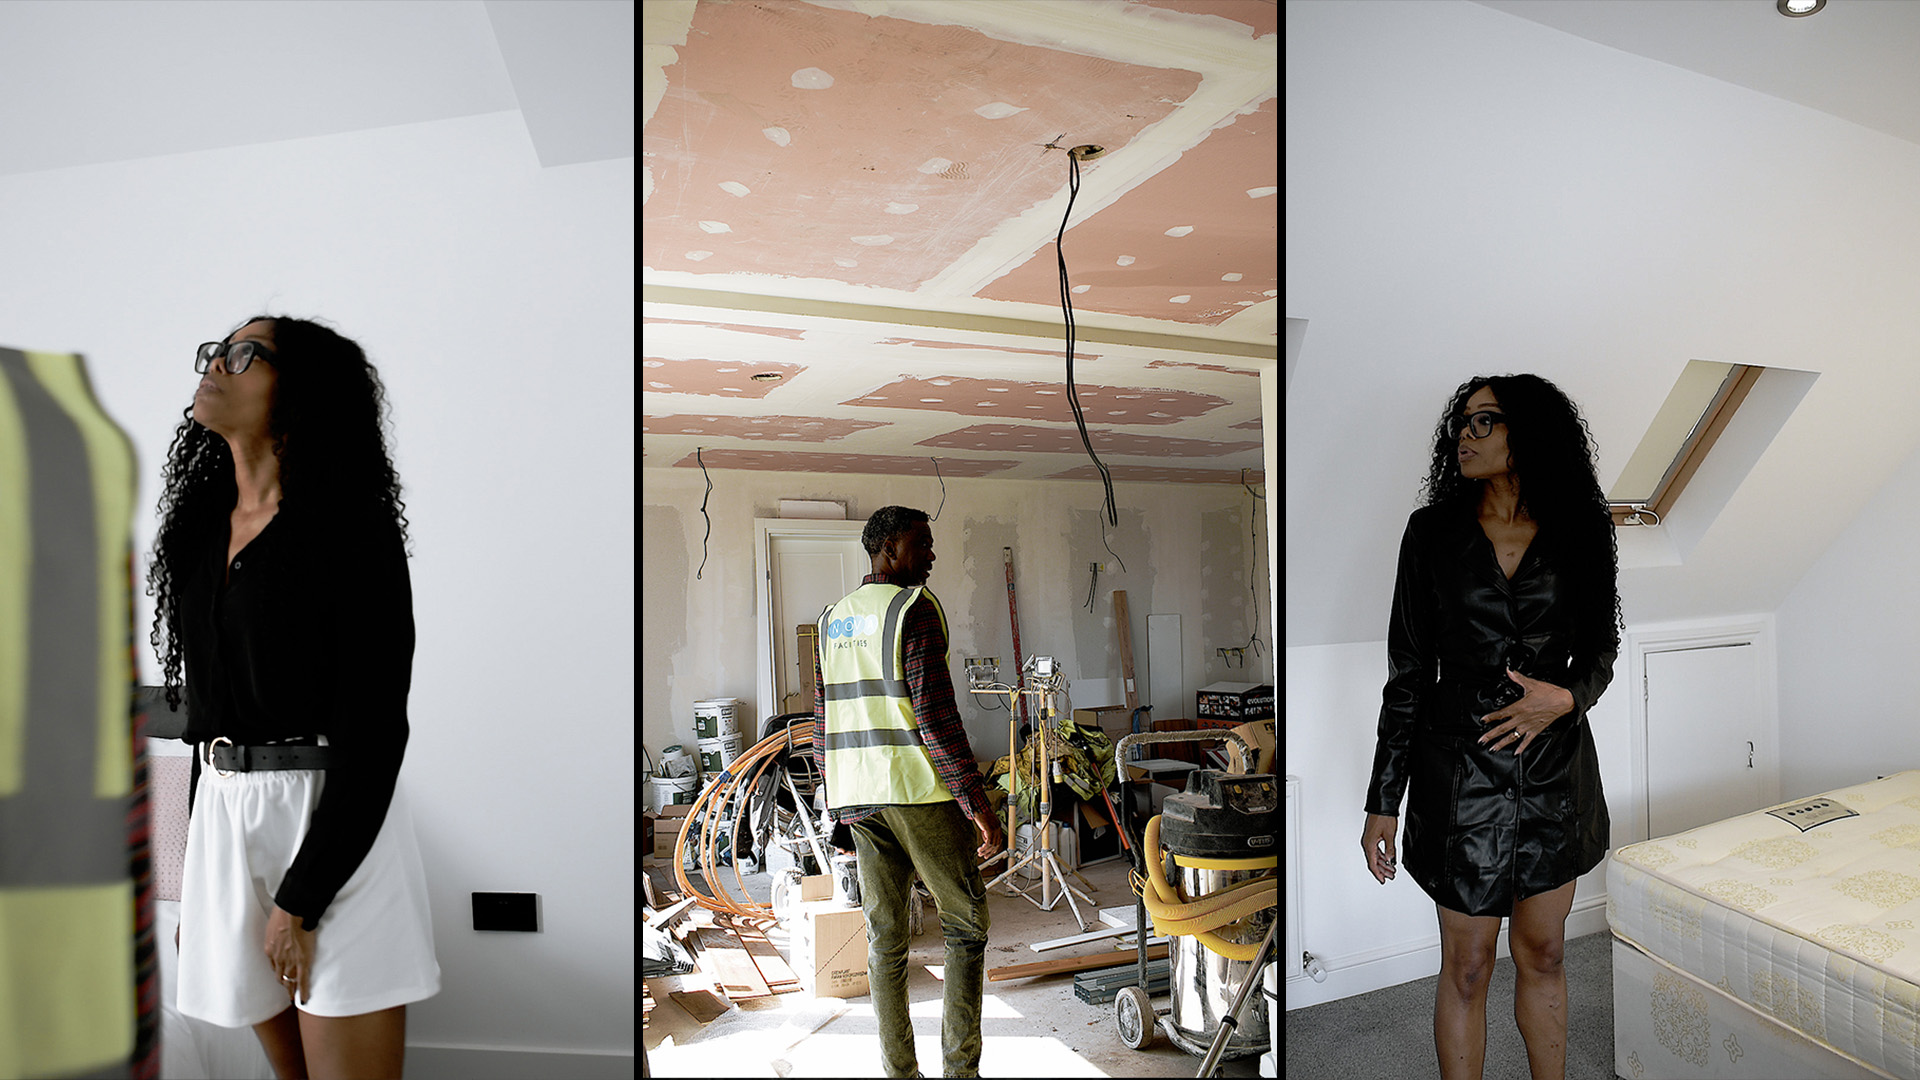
{"x":702,"y":1005}
{"x":1071,"y":963}
{"x":727,"y":963}
{"x":773,"y":967}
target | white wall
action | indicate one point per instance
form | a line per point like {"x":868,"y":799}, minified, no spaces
{"x":1849,"y":632}
{"x":496,"y":299}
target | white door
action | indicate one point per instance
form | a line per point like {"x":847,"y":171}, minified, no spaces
{"x":1703,"y":730}
{"x":808,"y":573}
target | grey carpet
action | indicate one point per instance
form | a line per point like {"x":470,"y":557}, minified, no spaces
{"x":1389,"y":1033}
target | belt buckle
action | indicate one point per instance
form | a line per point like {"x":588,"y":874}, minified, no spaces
{"x":222,"y":739}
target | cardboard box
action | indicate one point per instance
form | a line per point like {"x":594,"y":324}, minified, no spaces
{"x":1234,"y":701}
{"x":1260,"y":734}
{"x":830,"y":949}
{"x":1115,"y":720}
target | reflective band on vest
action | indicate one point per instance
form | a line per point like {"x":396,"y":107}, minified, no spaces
{"x":67,"y":895}
{"x":874,"y":753}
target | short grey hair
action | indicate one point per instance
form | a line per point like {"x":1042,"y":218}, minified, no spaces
{"x":887,"y":523}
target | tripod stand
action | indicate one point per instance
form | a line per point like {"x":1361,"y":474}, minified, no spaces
{"x":1042,"y":850}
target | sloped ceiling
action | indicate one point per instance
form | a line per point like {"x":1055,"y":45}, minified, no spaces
{"x":1597,"y":191}
{"x":863,"y":198}
{"x":121,"y":80}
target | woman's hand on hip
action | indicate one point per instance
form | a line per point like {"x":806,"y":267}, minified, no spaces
{"x":1377,"y":841}
{"x":1521,"y":722}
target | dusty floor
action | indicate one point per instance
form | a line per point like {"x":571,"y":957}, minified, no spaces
{"x":1030,"y":1027}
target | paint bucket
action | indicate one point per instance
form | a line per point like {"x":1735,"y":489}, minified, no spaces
{"x":717,"y":754}
{"x":675,"y":761}
{"x":846,"y":880}
{"x":671,"y":790}
{"x":716,"y":718}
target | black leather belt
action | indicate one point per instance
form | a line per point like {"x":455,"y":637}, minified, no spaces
{"x":299,"y":752}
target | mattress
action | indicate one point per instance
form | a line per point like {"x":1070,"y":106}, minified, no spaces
{"x":1807,"y":913}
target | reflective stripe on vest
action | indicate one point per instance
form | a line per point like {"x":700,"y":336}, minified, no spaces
{"x":66,"y":703}
{"x":874,"y":752}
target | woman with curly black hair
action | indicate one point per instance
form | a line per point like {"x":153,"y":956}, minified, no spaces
{"x":1504,"y":630}
{"x":281,"y":579}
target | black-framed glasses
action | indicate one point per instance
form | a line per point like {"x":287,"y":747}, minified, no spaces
{"x":1479,"y":425}
{"x":239,"y":355}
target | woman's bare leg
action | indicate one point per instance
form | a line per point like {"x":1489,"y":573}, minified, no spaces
{"x":1537,"y":936}
{"x":1460,"y":1003}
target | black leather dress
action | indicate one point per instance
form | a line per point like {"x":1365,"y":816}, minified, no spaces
{"x":1485,"y":828}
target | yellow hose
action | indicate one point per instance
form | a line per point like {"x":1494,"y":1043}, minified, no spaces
{"x":1173,"y":916}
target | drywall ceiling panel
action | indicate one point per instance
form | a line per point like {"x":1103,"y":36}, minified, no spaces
{"x":803,"y":141}
{"x":1261,"y":17}
{"x":1041,"y":401}
{"x":1196,"y":242}
{"x":839,"y":462}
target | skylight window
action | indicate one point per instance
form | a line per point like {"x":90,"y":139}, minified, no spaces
{"x":1698,"y":409}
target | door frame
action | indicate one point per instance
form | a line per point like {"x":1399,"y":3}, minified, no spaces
{"x":1758,"y":632}
{"x":764,"y":530}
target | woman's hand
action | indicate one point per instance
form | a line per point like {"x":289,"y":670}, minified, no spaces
{"x":1377,"y":841}
{"x":290,"y":951}
{"x":1525,"y":719}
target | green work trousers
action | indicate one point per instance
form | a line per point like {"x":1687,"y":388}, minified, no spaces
{"x":937,"y":840}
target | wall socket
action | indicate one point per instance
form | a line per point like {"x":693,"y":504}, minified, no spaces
{"x":506,"y":911}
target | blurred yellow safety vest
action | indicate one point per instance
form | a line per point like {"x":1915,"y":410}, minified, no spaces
{"x":875,"y":755}
{"x":67,"y":753}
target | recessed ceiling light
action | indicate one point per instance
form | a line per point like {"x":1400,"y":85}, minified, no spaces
{"x":1799,"y":9}
{"x":767,"y":376}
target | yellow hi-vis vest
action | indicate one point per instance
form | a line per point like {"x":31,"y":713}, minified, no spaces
{"x":67,"y":753}
{"x":874,"y":754}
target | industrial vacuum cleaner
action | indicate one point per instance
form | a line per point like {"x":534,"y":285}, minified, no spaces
{"x":1207,"y":872}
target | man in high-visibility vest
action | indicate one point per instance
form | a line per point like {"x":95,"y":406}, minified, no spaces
{"x":902,"y":781}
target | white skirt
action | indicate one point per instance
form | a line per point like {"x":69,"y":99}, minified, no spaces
{"x":373,"y":948}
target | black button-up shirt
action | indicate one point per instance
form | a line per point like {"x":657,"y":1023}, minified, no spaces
{"x":312,"y":634}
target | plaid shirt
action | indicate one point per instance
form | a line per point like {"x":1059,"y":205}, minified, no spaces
{"x":923,"y":647}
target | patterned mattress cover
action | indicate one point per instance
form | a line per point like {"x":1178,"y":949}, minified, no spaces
{"x":1815,"y":923}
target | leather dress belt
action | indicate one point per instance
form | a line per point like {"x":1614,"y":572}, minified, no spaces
{"x":300,"y":752}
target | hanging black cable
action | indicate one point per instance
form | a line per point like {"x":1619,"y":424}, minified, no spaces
{"x":943,"y":489}
{"x":1066,"y":307}
{"x":703,"y":512}
{"x":1253,"y":546}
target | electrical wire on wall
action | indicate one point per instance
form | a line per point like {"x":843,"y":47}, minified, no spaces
{"x":943,"y":488}
{"x":1253,"y":546}
{"x":703,"y":512}
{"x":1074,"y":157}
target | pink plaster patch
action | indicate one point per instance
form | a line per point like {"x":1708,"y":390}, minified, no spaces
{"x":898,"y":125}
{"x":1233,"y":233}
{"x":1042,"y":401}
{"x":1155,"y":474}
{"x":722,"y":378}
{"x":1247,"y":425}
{"x":873,"y":464}
{"x":785,"y":428}
{"x":1007,"y":438}
{"x":771,"y":331}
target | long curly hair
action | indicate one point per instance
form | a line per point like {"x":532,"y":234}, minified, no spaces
{"x":1552,"y":456}
{"x":325,"y":425}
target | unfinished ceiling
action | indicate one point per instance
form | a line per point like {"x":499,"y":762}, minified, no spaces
{"x":860,"y":198}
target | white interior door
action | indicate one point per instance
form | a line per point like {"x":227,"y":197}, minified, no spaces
{"x":1703,"y":732}
{"x":808,"y":573}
